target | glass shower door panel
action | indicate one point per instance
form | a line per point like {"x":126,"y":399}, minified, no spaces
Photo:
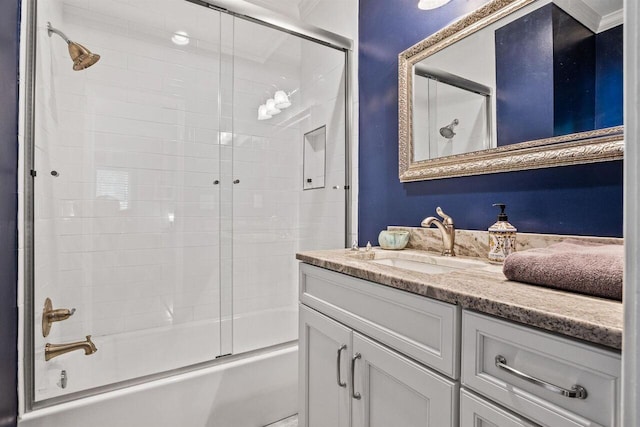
{"x":273,"y":216}
{"x":127,"y":219}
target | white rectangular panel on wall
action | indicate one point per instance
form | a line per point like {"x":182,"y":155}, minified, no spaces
{"x":314,"y":158}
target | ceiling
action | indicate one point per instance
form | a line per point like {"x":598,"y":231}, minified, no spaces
{"x":597,"y":15}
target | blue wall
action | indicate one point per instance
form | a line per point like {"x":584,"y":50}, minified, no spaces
{"x":574,"y":74}
{"x":8,"y":211}
{"x":524,"y":70}
{"x":609,"y":79}
{"x":585,"y":199}
{"x":543,"y":78}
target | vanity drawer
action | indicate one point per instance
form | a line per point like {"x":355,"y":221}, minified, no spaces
{"x":542,"y":356}
{"x":424,"y":329}
{"x":478,"y":412}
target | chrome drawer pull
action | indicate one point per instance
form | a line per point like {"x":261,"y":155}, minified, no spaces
{"x":340,"y":383}
{"x":354,"y":394}
{"x":576,"y":392}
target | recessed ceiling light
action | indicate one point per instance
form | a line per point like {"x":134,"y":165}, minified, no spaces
{"x":181,"y":38}
{"x":431,"y":4}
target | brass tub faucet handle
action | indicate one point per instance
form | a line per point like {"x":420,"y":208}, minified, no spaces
{"x":49,"y":315}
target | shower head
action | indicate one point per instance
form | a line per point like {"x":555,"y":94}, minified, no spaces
{"x":81,"y":56}
{"x":447,"y":131}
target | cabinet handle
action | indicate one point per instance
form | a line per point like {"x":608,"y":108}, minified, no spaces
{"x":354,"y":393}
{"x":576,"y":392}
{"x":340,"y":383}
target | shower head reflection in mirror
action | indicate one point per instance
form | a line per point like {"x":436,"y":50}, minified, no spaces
{"x":447,"y":131}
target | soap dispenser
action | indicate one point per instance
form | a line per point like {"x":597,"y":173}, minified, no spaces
{"x":502,"y":237}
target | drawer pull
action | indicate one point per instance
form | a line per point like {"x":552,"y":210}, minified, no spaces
{"x":340,"y":383}
{"x":576,"y":392}
{"x":354,"y":393}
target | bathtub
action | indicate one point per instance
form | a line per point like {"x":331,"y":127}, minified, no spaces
{"x":254,"y":389}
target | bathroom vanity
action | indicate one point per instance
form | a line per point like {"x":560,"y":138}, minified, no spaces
{"x":384,"y":344}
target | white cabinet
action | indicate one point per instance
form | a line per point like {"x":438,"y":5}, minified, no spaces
{"x":348,"y":379}
{"x":424,"y":329}
{"x":395,"y":391}
{"x":551,"y":380}
{"x":478,"y":412}
{"x":374,"y":356}
{"x":324,"y":350}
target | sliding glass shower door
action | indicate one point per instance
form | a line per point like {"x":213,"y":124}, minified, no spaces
{"x":169,"y":195}
{"x":284,"y":87}
{"x":127,"y":215}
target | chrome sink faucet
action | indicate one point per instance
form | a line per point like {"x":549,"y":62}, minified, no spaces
{"x":447,"y":229}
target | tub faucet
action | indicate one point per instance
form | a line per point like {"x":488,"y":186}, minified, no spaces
{"x":447,"y":229}
{"x":53,"y":350}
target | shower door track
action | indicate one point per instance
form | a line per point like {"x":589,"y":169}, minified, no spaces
{"x":260,"y":15}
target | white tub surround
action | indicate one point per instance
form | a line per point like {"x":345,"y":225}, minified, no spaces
{"x":215,"y":396}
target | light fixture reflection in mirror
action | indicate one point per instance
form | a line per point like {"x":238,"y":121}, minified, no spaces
{"x":281,"y":99}
{"x":272,"y":110}
{"x":262,"y":113}
{"x":180,"y":38}
{"x":273,"y":106}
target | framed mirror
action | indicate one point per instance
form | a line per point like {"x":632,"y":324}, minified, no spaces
{"x":515,"y":85}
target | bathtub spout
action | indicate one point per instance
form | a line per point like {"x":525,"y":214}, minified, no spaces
{"x":54,"y":350}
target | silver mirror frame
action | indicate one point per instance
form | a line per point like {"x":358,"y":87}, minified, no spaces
{"x":599,"y":145}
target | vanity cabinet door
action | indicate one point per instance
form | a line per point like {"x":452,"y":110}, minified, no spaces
{"x":478,"y":412}
{"x":395,"y":391}
{"x":324,"y":352}
{"x":548,"y":379}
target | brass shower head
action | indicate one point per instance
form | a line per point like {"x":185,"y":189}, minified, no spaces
{"x":81,"y":56}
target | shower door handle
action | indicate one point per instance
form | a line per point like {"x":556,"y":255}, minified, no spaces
{"x":236,"y":181}
{"x":340,"y":383}
{"x":354,"y":393}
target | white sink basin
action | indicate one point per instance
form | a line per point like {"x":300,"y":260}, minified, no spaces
{"x":423,"y":263}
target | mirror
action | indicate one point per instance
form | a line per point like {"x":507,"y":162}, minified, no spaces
{"x":517,"y":84}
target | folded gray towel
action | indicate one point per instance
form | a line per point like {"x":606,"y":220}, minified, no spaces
{"x":572,"y":265}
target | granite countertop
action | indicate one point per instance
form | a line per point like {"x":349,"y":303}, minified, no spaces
{"x":486,"y":290}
